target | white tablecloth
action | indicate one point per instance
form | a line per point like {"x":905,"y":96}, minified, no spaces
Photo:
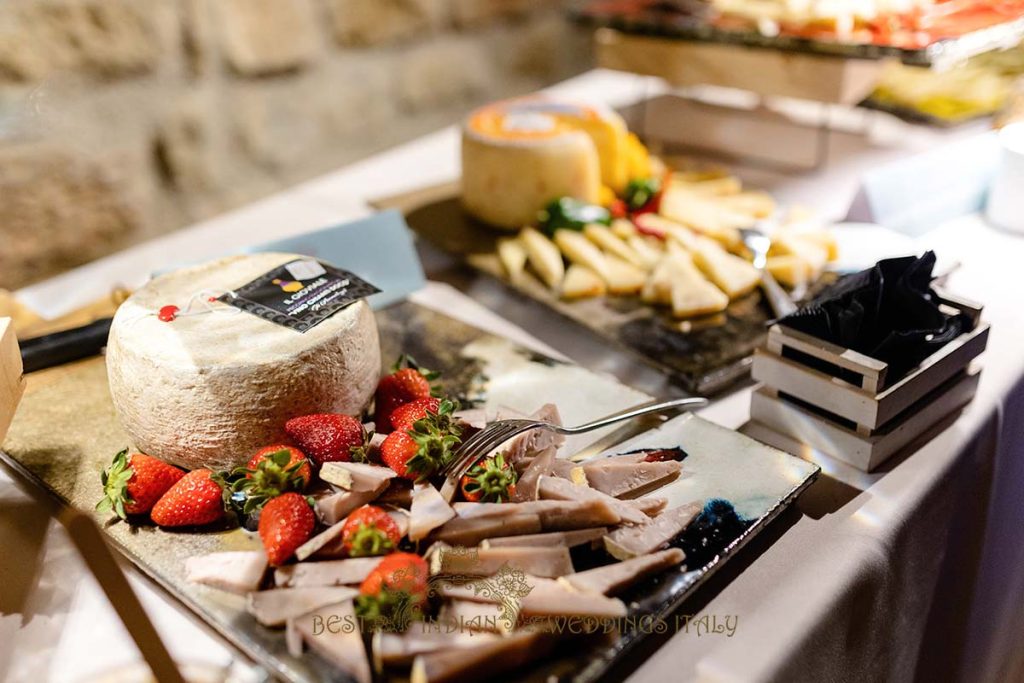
{"x":917,"y":570}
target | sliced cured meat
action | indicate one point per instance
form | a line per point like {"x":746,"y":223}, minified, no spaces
{"x":627,"y":542}
{"x":616,"y":577}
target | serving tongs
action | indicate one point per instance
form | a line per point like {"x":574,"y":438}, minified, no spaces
{"x":759,"y":243}
{"x":495,"y":434}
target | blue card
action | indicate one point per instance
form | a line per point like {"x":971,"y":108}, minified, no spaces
{"x":379,"y":249}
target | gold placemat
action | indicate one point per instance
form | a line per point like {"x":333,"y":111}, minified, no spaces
{"x":28,"y":324}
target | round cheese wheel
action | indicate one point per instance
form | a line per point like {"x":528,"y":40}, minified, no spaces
{"x":518,"y":155}
{"x":208,"y":390}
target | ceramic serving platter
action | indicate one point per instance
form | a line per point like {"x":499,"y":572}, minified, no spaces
{"x":66,"y":431}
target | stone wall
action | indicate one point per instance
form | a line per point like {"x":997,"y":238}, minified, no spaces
{"x":121,"y":119}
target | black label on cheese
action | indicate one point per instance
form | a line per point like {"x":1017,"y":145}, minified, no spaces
{"x":300,"y":294}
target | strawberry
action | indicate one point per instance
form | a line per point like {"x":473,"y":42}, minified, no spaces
{"x":490,"y":480}
{"x":286,"y":522}
{"x":326,"y":437}
{"x":134,"y":483}
{"x":398,"y":572}
{"x":396,"y":589}
{"x":369,"y":531}
{"x":271,"y":471}
{"x":295,"y":458}
{"x":404,"y":416}
{"x":196,"y":499}
{"x":434,"y":436}
{"x":407,"y":382}
{"x":397,"y":450}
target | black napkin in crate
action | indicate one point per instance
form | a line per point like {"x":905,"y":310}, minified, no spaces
{"x":888,"y":312}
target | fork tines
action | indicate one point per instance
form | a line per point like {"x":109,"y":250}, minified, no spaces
{"x":485,"y":441}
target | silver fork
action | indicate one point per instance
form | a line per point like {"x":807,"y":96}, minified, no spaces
{"x":758,"y":243}
{"x":497,"y":433}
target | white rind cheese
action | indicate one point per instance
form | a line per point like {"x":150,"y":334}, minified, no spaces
{"x":209,"y":390}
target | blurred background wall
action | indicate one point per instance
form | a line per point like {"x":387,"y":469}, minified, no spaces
{"x":123,"y":119}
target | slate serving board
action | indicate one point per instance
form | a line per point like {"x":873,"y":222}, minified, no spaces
{"x":704,"y":355}
{"x":65,"y":432}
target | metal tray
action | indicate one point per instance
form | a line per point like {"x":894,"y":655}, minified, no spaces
{"x":65,"y":431}
{"x":665,"y":21}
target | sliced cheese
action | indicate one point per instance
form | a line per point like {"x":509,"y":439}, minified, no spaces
{"x":581,"y":282}
{"x":758,"y":204}
{"x":730,"y":273}
{"x":693,"y":295}
{"x":676,"y":281}
{"x":608,"y":241}
{"x":812,"y":252}
{"x":666,"y":228}
{"x":579,"y":249}
{"x":711,"y":185}
{"x":803,"y":223}
{"x":790,"y":271}
{"x":649,"y":249}
{"x":623,"y":277}
{"x":512,"y":254}
{"x":544,"y":257}
{"x":624,"y":228}
{"x":658,"y":287}
{"x":704,"y":214}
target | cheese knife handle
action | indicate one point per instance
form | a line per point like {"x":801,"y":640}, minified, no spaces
{"x":48,"y":350}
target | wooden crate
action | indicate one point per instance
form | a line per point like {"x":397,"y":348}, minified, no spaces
{"x":766,"y":71}
{"x":841,"y":402}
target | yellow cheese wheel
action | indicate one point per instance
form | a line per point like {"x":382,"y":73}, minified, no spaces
{"x":518,"y":155}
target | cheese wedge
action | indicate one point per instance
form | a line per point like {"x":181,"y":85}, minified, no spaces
{"x":691,"y":293}
{"x":624,"y":228}
{"x":811,"y":252}
{"x":712,"y":185}
{"x":789,"y":270}
{"x":648,"y":249}
{"x":603,"y":237}
{"x":579,"y":249}
{"x":675,"y":247}
{"x":730,"y":273}
{"x":757,"y":203}
{"x":667,"y":229}
{"x":658,"y":287}
{"x":823,"y":237}
{"x":512,"y":254}
{"x":543,"y":256}
{"x":676,"y":281}
{"x":704,"y":215}
{"x":581,"y":282}
{"x":623,"y":277}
